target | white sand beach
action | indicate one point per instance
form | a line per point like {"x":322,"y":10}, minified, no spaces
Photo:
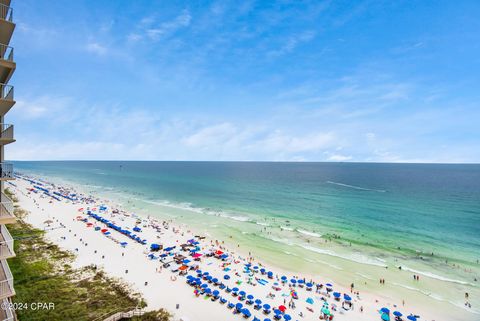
{"x":68,"y":224}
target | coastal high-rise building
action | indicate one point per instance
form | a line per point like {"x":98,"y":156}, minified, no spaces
{"x":7,"y":68}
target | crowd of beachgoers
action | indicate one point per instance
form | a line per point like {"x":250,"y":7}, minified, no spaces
{"x":191,"y":275}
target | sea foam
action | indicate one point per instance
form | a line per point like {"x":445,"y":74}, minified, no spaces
{"x":357,"y":258}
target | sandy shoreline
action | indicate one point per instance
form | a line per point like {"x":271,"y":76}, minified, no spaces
{"x":161,"y":289}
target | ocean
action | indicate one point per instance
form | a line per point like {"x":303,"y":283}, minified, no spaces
{"x":349,"y":222}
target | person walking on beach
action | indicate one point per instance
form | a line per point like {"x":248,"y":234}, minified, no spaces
{"x":351,"y":287}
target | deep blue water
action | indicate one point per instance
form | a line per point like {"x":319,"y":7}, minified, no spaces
{"x":416,"y":206}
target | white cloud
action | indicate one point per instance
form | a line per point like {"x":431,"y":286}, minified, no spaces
{"x":96,"y":48}
{"x":181,"y":21}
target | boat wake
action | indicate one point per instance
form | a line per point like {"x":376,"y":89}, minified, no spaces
{"x":357,"y":187}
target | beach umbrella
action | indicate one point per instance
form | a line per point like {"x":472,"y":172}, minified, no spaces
{"x":235,"y":289}
{"x":309,"y":285}
{"x":325,"y":310}
{"x":256,"y":319}
{"x":242,"y":293}
{"x":250,"y":297}
{"x":238,"y":306}
{"x":337,"y":294}
{"x":287,"y":317}
{"x":329,"y":285}
{"x":301,"y":281}
{"x":346,"y":297}
{"x":293,"y":281}
{"x":385,"y":317}
{"x":226,"y":277}
{"x":284,"y":278}
{"x":282,"y":308}
{"x":215,"y":280}
{"x":412,"y":318}
{"x":277,"y":311}
{"x":266,"y":306}
{"x":397,"y":314}
{"x":267,"y":319}
{"x":258,"y":301}
{"x":216,"y":293}
{"x":208,"y":290}
{"x":309,"y":300}
{"x":246,"y":312}
{"x":205,"y":285}
{"x":385,"y":310}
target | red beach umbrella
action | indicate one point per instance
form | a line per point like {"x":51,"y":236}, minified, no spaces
{"x":282,"y":308}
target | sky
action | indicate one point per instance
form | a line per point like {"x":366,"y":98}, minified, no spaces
{"x":362,"y":81}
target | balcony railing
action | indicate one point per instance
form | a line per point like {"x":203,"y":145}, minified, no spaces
{"x":6,"y":312}
{"x":6,"y":207}
{"x":6,"y":12}
{"x":6,"y":171}
{"x":6,"y":52}
{"x":6,"y":92}
{"x":6,"y":131}
{"x":6,"y":243}
{"x":6,"y":280}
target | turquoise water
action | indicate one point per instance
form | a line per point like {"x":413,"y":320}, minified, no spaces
{"x":343,"y":222}
{"x":429,"y":208}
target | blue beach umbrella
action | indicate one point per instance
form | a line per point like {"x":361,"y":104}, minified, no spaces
{"x":293,"y":281}
{"x":301,"y":281}
{"x":397,"y":314}
{"x":235,"y":290}
{"x":242,"y":293}
{"x":346,"y":297}
{"x":246,"y":312}
{"x":216,"y":293}
{"x":287,"y":317}
{"x":266,"y":306}
{"x":309,"y":285}
{"x":329,"y":285}
{"x":208,"y":291}
{"x":412,"y":318}
{"x":385,"y":317}
{"x":277,"y":311}
{"x":256,"y":319}
{"x":205,"y":285}
{"x":226,"y":277}
{"x":337,"y":294}
{"x":238,"y":306}
{"x":385,"y":310}
{"x":309,"y":300}
{"x":215,"y":280}
{"x":258,"y":301}
{"x":250,"y":297}
{"x":284,"y":278}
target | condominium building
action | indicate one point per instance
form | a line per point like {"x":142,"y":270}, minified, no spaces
{"x":7,"y":68}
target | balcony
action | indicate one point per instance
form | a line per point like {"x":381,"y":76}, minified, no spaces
{"x":6,"y":134}
{"x":6,"y":23}
{"x":7,"y":215}
{"x":6,"y":171}
{"x":7,"y":65}
{"x":6,"y":244}
{"x":6,"y":98}
{"x":6,"y":312}
{"x":6,"y":281}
